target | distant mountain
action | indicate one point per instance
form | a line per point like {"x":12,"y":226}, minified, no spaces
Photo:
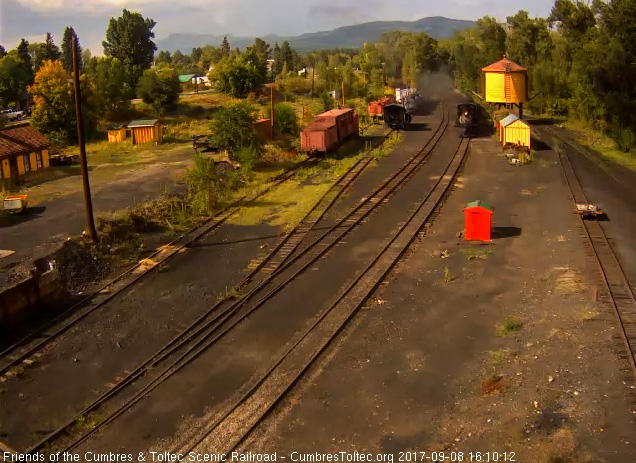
{"x":343,"y":37}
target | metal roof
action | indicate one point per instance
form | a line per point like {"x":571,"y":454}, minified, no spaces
{"x":115,"y":126}
{"x":500,"y":66}
{"x":335,"y":112}
{"x":509,"y":119}
{"x":319,"y":124}
{"x":183,"y":78}
{"x":143,"y":123}
{"x":479,"y":203}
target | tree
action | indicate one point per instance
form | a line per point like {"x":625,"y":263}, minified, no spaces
{"x":210,"y":55}
{"x":163,"y":57}
{"x":3,"y":52}
{"x":236,"y":76}
{"x":233,"y":129}
{"x":46,"y":51}
{"x":286,"y":121}
{"x":54,"y":111}
{"x":67,"y":49}
{"x":14,"y":78}
{"x":225,"y":47}
{"x":111,"y":82}
{"x":25,"y":56}
{"x":160,"y":88}
{"x":196,"y":54}
{"x":129,"y":39}
{"x":277,"y":68}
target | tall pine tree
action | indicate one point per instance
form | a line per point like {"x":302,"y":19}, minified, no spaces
{"x":67,"y":49}
{"x":225,"y":47}
{"x":46,"y":51}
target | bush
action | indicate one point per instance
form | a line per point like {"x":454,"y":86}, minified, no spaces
{"x":160,"y":88}
{"x":203,"y":185}
{"x":285,"y":119}
{"x":327,"y":101}
{"x":247,"y":157}
{"x":233,"y":129}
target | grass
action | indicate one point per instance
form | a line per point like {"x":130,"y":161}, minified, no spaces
{"x":600,"y":142}
{"x":498,"y":357}
{"x":448,"y":277}
{"x":476,"y":253}
{"x":230,"y":294}
{"x":509,"y":327}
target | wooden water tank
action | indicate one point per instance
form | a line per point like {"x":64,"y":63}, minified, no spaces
{"x":505,"y":82}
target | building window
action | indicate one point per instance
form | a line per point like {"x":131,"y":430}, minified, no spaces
{"x":38,"y":160}
{"x":27,"y":163}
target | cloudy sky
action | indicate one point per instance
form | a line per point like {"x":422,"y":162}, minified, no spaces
{"x":33,"y":18}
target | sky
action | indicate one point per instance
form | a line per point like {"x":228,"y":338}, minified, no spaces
{"x":31,"y":19}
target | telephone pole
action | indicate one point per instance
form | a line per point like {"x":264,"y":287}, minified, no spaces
{"x":88,"y":203}
{"x":272,"y":109}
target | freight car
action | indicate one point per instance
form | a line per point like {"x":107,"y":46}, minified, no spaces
{"x":396,"y":116}
{"x":328,"y":131}
{"x":467,"y":114}
{"x":376,"y":108}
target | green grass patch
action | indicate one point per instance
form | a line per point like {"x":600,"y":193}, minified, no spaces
{"x":498,"y":357}
{"x":509,"y":327}
{"x":600,"y":142}
{"x":476,"y":253}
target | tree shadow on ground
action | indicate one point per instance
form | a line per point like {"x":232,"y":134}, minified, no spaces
{"x":538,"y":145}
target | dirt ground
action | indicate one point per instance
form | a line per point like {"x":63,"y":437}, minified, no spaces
{"x":496,"y":348}
{"x":56,"y":208}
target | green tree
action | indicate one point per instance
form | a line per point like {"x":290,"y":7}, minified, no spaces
{"x":111,"y":82}
{"x":233,"y":128}
{"x":236,"y":76}
{"x":67,"y":49}
{"x":163,"y":57}
{"x":46,"y":51}
{"x":129,"y":39}
{"x":3,"y":52}
{"x":14,"y":78}
{"x":196,"y":54}
{"x":225,"y":47}
{"x":210,"y":55}
{"x":54,"y":110}
{"x":160,"y":88}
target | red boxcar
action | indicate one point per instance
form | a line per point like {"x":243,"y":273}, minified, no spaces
{"x":344,"y":121}
{"x":321,"y":136}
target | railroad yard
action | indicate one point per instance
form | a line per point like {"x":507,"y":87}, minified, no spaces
{"x":369,"y":326}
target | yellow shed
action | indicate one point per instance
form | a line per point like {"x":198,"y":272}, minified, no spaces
{"x":513,"y":130}
{"x":146,"y":131}
{"x":505,"y":82}
{"x":116,"y":133}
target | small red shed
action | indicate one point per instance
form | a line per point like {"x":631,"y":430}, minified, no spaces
{"x":478,"y":221}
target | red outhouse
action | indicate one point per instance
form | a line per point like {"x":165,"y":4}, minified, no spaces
{"x":478,"y":221}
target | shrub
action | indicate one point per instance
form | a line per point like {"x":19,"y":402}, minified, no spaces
{"x":327,"y":101}
{"x":285,"y":119}
{"x":233,"y":129}
{"x":203,"y":185}
{"x":247,"y":157}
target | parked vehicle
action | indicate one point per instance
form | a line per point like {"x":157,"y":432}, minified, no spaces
{"x":13,"y":115}
{"x":328,"y":131}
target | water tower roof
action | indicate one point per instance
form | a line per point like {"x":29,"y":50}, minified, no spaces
{"x":500,"y":66}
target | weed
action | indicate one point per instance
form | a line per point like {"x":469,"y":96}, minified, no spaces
{"x":476,"y":253}
{"x":231,"y":294}
{"x":447,"y":275}
{"x":85,"y":423}
{"x":498,"y":357}
{"x":509,"y":326}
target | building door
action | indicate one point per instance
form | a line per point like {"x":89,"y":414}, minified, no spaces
{"x":13,"y":168}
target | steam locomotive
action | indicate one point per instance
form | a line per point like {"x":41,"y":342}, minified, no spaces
{"x":467,"y":119}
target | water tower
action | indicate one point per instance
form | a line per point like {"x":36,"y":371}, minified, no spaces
{"x":505,"y":83}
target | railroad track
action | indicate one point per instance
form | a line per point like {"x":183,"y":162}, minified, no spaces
{"x":227,"y":432}
{"x":617,"y":292}
{"x":39,"y":338}
{"x":221,"y":318}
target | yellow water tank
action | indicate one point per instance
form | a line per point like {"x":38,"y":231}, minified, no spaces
{"x":505,"y":82}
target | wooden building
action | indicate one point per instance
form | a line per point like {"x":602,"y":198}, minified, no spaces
{"x":23,"y":149}
{"x":146,"y":131}
{"x":263,"y":129}
{"x":514,"y":131}
{"x":116,"y":133}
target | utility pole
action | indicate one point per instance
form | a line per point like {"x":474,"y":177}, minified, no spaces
{"x":313,"y":79}
{"x":272,"y":109}
{"x":343,"y":94}
{"x":88,"y":203}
